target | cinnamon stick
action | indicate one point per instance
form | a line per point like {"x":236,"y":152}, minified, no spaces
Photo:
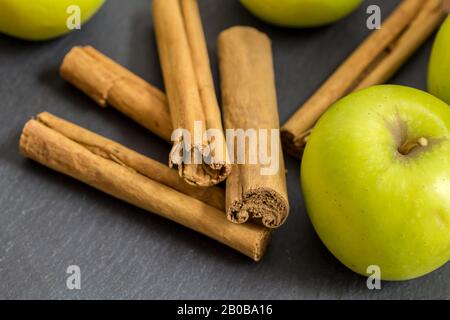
{"x":446,"y":5}
{"x":124,"y":174}
{"x":374,"y":62}
{"x":150,"y":168}
{"x":250,"y":103}
{"x":190,"y":91}
{"x":108,"y":83}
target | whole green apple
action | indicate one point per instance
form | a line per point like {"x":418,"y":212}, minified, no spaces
{"x":376,"y":181}
{"x":42,"y":19}
{"x":439,"y":69}
{"x":301,"y":13}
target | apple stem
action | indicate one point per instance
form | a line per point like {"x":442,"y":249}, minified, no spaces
{"x":410,"y":145}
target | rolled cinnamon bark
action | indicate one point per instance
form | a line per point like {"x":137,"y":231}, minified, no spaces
{"x":373,"y":62}
{"x":250,"y":103}
{"x":190,"y":91}
{"x":446,"y":5}
{"x":108,"y":83}
{"x":426,"y":21}
{"x":150,"y":168}
{"x":124,"y":174}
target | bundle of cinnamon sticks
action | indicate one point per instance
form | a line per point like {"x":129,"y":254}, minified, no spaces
{"x":243,"y":215}
{"x":253,"y":204}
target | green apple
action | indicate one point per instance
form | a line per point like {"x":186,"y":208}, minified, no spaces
{"x":42,"y":19}
{"x":439,"y":69}
{"x":376,"y":181}
{"x":301,"y":13}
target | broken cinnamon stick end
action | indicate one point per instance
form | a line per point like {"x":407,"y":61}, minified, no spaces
{"x":262,"y":204}
{"x":236,"y":214}
{"x":291,"y":144}
{"x":201,"y":175}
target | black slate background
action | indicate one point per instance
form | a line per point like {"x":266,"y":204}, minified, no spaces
{"x":49,"y":221}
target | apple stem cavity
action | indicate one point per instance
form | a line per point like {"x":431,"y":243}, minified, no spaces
{"x":409,"y":145}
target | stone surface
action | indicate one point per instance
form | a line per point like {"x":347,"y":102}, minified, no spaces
{"x":49,"y":221}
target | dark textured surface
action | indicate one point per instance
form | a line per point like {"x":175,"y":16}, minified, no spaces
{"x":49,"y":221}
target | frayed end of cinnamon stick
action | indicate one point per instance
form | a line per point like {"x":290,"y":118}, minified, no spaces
{"x":201,"y":175}
{"x":262,"y":204}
